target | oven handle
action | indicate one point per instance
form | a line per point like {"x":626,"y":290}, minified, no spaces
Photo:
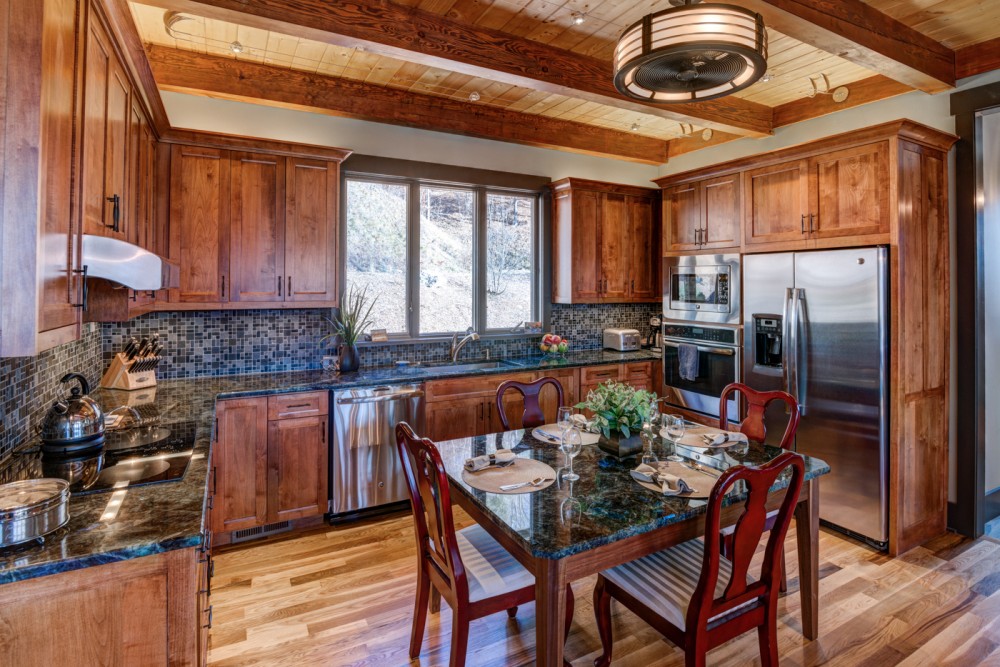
{"x":725,"y":351}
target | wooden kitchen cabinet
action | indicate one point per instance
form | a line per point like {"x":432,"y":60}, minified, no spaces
{"x":271,"y":460}
{"x":605,"y":243}
{"x":270,"y":228}
{"x":455,"y":418}
{"x":142,"y":611}
{"x":777,"y":202}
{"x":199,"y":223}
{"x":849,"y":192}
{"x":106,"y":115}
{"x":701,"y":215}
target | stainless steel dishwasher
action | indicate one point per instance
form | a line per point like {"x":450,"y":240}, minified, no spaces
{"x":364,"y":465}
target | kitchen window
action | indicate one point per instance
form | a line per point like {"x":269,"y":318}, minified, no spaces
{"x":443,"y":257}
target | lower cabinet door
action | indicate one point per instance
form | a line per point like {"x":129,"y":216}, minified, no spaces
{"x":459,"y":418}
{"x":297,"y":468}
{"x":240,"y":464}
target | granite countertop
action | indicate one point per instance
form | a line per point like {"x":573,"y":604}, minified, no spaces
{"x":161,"y":517}
{"x":605,"y":505}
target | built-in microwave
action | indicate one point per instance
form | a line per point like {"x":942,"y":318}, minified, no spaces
{"x":702,"y":288}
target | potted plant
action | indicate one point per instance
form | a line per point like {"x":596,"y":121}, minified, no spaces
{"x":619,"y":412}
{"x":351,"y":322}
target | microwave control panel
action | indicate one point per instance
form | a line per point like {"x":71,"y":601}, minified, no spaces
{"x":722,"y":289}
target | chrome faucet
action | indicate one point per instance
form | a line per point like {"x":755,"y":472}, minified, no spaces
{"x":457,"y":345}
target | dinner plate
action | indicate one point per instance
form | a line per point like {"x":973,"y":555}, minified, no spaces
{"x":550,"y":433}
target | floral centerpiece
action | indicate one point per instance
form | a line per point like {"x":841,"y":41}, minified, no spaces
{"x":619,"y":412}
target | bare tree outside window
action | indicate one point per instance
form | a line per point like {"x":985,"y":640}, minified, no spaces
{"x":509,"y":252}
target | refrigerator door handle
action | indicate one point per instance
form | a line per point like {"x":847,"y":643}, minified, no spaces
{"x":786,"y":346}
{"x":801,"y":378}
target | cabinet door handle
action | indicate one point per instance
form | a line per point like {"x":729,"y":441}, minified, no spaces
{"x":115,"y":211}
{"x":802,"y":223}
{"x":322,"y":431}
{"x":813,"y":216}
{"x":83,"y":288}
{"x":279,"y":285}
{"x":288,"y":292}
{"x":223,"y":286}
{"x":632,"y":287}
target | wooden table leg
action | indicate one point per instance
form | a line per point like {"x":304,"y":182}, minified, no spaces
{"x":807,"y":535}
{"x":550,"y":608}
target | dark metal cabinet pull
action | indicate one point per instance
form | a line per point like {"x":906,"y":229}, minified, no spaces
{"x":813,"y":216}
{"x":223,"y":287}
{"x":83,"y":288}
{"x":802,"y":223}
{"x":279,"y":285}
{"x":115,"y":211}
{"x":288,"y":291}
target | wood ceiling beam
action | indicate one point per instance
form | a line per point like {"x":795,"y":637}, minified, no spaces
{"x":978,"y":58}
{"x":219,"y":76}
{"x":415,"y":35}
{"x":856,"y":31}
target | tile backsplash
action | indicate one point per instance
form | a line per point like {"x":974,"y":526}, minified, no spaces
{"x":257,"y":341}
{"x":28,"y":385}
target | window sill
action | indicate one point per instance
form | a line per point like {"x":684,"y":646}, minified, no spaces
{"x":405,"y":340}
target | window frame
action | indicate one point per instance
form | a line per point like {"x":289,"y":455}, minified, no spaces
{"x":538,"y":309}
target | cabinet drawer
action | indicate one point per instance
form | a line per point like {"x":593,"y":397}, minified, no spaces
{"x":600,"y":374}
{"x":467,"y":387}
{"x":305,"y":404}
{"x":638,"y":371}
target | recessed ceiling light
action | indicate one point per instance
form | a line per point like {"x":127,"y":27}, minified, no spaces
{"x":474,"y":96}
{"x":766,"y":77}
{"x":635,"y":127}
{"x":236,"y":47}
{"x":579,"y":18}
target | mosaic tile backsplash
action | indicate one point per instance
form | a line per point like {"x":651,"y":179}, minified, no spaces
{"x":258,"y":341}
{"x":29,"y":385}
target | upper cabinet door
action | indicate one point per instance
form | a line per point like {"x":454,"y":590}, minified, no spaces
{"x":257,"y":223}
{"x":614,"y":248}
{"x":777,"y":202}
{"x":584,"y":258}
{"x":722,"y":212}
{"x":199,"y":223}
{"x":682,"y":217}
{"x":849,"y":192}
{"x":116,"y":198}
{"x":97,"y":68}
{"x":311,"y":230}
{"x":643,"y":255}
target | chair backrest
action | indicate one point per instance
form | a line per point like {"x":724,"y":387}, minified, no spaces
{"x":430,"y":498}
{"x":746,"y":536}
{"x":533,"y":415}
{"x":757,"y":401}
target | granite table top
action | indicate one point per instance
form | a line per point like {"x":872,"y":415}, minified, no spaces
{"x":161,"y":517}
{"x":605,"y":505}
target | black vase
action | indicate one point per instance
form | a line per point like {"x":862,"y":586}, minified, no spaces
{"x":350,"y":360}
{"x":620,"y":447}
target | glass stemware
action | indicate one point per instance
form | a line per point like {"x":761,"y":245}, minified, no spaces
{"x":564,"y":419}
{"x":571,"y":444}
{"x":648,"y":457}
{"x":675,"y":431}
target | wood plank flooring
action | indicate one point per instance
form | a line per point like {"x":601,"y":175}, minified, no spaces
{"x":339,"y":596}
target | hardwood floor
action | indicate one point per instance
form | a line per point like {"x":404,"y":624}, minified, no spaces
{"x":344,"y":596}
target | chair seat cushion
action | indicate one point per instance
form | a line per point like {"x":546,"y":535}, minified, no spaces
{"x":665,"y":581}
{"x":490,"y":568}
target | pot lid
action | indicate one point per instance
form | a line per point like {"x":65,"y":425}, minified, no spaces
{"x":30,"y":492}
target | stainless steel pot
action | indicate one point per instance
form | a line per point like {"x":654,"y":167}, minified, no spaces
{"x":73,"y":423}
{"x":80,"y":471}
{"x":31,"y":509}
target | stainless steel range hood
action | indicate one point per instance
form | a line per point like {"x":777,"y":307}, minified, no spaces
{"x":127,"y":264}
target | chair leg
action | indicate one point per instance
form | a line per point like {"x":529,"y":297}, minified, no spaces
{"x":570,"y":604}
{"x":459,"y":638}
{"x":435,"y":600}
{"x":419,"y":614}
{"x":602,"y":610}
{"x":512,"y":612}
{"x":767,"y":638}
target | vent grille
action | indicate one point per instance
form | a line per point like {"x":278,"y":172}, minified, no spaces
{"x":260,"y":531}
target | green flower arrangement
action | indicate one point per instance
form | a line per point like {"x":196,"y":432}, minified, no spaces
{"x":618,"y":408}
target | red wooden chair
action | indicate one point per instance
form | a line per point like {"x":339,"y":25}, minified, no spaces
{"x":468,"y":568}
{"x":533,"y":415}
{"x":696,"y":597}
{"x":754,"y":429}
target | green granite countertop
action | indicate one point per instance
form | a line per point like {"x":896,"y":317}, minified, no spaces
{"x":162,"y":517}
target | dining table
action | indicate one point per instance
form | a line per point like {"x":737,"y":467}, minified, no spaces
{"x":569,"y":530}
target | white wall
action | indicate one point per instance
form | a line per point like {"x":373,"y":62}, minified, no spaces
{"x":217,"y":115}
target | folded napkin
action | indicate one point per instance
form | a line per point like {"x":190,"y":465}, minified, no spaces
{"x":725,"y":438}
{"x":501,"y":457}
{"x":670,"y":485}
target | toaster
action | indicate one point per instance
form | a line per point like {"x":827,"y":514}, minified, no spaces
{"x":623,"y":340}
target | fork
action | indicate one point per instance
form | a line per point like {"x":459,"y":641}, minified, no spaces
{"x":538,"y":481}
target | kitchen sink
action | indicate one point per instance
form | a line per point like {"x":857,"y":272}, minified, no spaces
{"x":465,"y":365}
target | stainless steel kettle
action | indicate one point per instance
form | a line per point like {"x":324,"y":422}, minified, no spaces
{"x":73,"y":423}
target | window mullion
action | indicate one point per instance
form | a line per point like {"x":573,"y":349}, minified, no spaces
{"x":479,"y":263}
{"x":413,"y":261}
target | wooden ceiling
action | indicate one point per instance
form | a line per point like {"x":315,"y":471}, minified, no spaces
{"x":404,"y":58}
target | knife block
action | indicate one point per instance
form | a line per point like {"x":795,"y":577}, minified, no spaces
{"x":118,"y":376}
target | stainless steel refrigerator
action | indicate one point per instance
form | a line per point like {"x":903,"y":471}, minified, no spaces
{"x":815,"y":324}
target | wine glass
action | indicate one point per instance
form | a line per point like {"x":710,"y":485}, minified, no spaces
{"x":652,"y":423}
{"x":571,"y":444}
{"x":564,"y":419}
{"x":675,"y":431}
